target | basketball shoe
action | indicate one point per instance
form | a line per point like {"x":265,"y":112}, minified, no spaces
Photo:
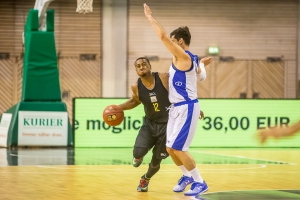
{"x":182,"y":183}
{"x":143,"y":186}
{"x":196,"y":189}
{"x":137,"y":162}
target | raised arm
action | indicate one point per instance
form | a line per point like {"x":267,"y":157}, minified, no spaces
{"x":201,"y":72}
{"x":133,"y":101}
{"x":179,"y":54}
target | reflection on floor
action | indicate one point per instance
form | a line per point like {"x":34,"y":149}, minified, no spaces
{"x":280,"y":166}
{"x":112,"y":156}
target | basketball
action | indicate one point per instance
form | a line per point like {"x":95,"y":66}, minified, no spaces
{"x":113,"y":115}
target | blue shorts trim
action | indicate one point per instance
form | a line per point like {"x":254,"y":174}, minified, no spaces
{"x":185,"y":102}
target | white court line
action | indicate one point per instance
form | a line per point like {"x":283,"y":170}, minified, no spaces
{"x":195,"y":151}
{"x":108,"y":169}
{"x":93,"y":171}
{"x":226,"y":191}
{"x":138,"y":172}
{"x":243,"y":157}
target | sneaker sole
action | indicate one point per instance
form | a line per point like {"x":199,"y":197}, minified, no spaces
{"x":182,"y":189}
{"x":179,"y":190}
{"x":142,"y":190}
{"x":196,"y":194}
{"x":136,"y":164}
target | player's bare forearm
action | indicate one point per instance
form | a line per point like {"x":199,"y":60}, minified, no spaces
{"x":293,"y":129}
{"x":129,"y":104}
{"x":175,"y":49}
{"x":278,"y":132}
{"x":158,"y":28}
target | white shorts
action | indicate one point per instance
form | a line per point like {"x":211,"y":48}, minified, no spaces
{"x":182,"y":125}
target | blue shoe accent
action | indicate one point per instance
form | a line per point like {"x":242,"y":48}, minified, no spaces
{"x":182,"y":183}
{"x":143,"y":186}
{"x":196,"y":189}
{"x":137,"y":162}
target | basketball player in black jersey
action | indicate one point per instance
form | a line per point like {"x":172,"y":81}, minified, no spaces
{"x":151,"y":89}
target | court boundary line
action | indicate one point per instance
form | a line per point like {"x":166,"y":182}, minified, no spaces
{"x":226,"y":191}
{"x":243,"y":157}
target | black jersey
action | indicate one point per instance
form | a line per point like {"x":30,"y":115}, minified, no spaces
{"x":155,"y":101}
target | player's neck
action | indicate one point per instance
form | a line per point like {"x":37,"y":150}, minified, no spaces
{"x":148,"y":81}
{"x":185,"y":47}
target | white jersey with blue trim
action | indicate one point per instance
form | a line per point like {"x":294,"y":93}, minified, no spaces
{"x":183,"y":84}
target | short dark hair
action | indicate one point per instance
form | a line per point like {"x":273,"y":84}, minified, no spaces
{"x":141,"y":58}
{"x":182,"y":32}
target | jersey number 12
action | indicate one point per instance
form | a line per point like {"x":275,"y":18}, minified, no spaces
{"x":156,"y":109}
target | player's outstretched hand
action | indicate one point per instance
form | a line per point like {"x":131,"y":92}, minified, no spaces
{"x":278,"y":132}
{"x":201,"y":115}
{"x":206,"y":60}
{"x":265,"y":134}
{"x":147,"y":10}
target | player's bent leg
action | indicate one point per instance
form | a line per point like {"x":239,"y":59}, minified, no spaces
{"x":136,"y":162}
{"x":186,"y":159}
{"x":154,"y":167}
{"x":179,"y":158}
{"x":138,"y":155}
{"x":174,"y":157}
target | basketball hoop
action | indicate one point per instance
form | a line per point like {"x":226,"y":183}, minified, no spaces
{"x":84,"y":6}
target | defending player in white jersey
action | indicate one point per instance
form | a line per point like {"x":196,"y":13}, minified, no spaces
{"x":185,"y":108}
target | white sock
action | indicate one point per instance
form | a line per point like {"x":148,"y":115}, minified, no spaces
{"x":196,"y":175}
{"x":185,"y":171}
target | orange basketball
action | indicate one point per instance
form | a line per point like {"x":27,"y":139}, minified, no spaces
{"x":113,"y":115}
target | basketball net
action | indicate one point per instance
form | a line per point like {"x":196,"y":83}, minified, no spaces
{"x":84,"y":6}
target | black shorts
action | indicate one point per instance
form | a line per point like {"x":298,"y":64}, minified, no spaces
{"x":153,"y":135}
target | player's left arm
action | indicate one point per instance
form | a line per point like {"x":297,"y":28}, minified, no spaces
{"x":201,"y":72}
{"x":164,"y":77}
{"x":180,"y":55}
{"x":133,"y":101}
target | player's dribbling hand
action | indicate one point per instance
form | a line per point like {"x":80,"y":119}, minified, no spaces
{"x":201,"y":115}
{"x":206,"y":60}
{"x":147,"y":10}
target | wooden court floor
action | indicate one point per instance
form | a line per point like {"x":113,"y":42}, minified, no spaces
{"x":88,"y":174}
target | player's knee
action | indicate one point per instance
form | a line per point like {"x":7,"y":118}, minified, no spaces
{"x":169,"y":150}
{"x":139,"y":152}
